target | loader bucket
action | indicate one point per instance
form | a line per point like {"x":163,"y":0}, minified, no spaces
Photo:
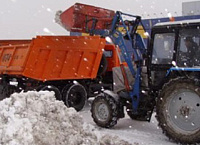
{"x":82,"y":18}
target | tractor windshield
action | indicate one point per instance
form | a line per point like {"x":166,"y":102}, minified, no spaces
{"x":188,"y":50}
{"x":163,"y":48}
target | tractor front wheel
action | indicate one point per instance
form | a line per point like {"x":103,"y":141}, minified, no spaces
{"x":104,"y":111}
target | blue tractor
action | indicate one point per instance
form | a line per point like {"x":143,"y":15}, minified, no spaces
{"x":166,"y":77}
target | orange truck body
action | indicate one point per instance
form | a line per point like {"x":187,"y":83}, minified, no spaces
{"x":48,"y":58}
{"x":113,"y":58}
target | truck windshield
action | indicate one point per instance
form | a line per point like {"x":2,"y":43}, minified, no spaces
{"x":163,"y":48}
{"x":188,"y":49}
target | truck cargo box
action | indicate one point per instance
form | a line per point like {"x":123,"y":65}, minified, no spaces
{"x":14,"y":42}
{"x":79,"y":18}
{"x":53,"y":57}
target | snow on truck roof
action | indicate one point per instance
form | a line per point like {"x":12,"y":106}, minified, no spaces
{"x":178,"y":22}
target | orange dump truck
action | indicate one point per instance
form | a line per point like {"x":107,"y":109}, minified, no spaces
{"x":74,"y":67}
{"x":71,"y":66}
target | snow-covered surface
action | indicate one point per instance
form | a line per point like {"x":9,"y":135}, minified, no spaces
{"x":135,"y":132}
{"x":37,"y":118}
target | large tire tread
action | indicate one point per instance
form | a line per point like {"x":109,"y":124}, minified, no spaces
{"x":80,"y":89}
{"x":113,"y":111}
{"x":172,"y":85}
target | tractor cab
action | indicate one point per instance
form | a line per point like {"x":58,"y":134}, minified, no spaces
{"x":173,"y":71}
{"x":174,"y":45}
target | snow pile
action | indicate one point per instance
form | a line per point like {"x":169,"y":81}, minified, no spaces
{"x":37,"y":118}
{"x":110,"y":140}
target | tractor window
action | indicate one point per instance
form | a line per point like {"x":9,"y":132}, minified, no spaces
{"x":188,"y":50}
{"x":163,"y":48}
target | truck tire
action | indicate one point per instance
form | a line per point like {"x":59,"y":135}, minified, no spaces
{"x":104,"y":111}
{"x":6,"y":90}
{"x":178,"y":110}
{"x":3,"y":92}
{"x":75,"y":95}
{"x":103,"y":66}
{"x":54,"y":89}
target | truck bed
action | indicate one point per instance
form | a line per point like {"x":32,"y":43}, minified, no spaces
{"x":48,"y":58}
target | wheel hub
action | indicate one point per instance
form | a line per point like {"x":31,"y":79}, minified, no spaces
{"x":75,"y":98}
{"x":183,"y":110}
{"x":102,"y":112}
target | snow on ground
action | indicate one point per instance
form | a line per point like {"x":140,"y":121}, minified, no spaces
{"x":37,"y":118}
{"x":135,"y":132}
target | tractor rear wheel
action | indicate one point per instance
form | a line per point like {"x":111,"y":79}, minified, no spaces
{"x":178,"y":110}
{"x":104,"y":111}
{"x":75,"y":95}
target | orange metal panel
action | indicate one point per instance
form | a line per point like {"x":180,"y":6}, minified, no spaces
{"x":113,"y":60}
{"x":64,"y":57}
{"x":52,"y":57}
{"x":13,"y":58}
{"x":14,"y":42}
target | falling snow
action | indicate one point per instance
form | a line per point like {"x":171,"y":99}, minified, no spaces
{"x":85,"y":59}
{"x":49,"y":10}
{"x":19,"y":127}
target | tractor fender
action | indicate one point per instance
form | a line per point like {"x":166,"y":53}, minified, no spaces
{"x":112,"y":94}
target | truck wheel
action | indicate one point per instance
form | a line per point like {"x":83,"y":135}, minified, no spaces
{"x":103,"y":66}
{"x":54,"y":89}
{"x":6,"y":90}
{"x":3,"y":92}
{"x":104,"y":111}
{"x":178,"y":111}
{"x":12,"y":89}
{"x":75,"y":96}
